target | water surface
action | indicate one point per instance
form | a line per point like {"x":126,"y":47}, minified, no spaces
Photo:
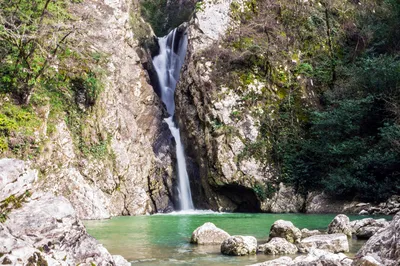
{"x":164,"y":239}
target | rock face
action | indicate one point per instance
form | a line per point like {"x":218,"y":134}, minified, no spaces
{"x":135,"y":174}
{"x":286,"y":230}
{"x":208,"y":234}
{"x":340,"y":224}
{"x":333,"y":243}
{"x":367,"y":227}
{"x":239,"y":245}
{"x":277,"y":246}
{"x":384,"y":246}
{"x":16,"y":178}
{"x":46,"y":229}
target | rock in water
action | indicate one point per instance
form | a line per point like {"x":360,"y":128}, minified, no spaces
{"x":367,"y":227}
{"x":239,"y":245}
{"x":340,"y":224}
{"x":278,"y":246}
{"x":285,"y":229}
{"x":208,"y":234}
{"x":333,"y":243}
{"x":384,"y":246}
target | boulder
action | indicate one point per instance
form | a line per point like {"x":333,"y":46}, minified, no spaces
{"x":383,"y":246}
{"x":306,"y":233}
{"x":208,"y":234}
{"x":333,"y":243}
{"x":239,"y":245}
{"x":46,"y":230}
{"x":285,"y":229}
{"x":277,"y":262}
{"x":365,"y":228}
{"x":340,"y":224}
{"x":367,"y":261}
{"x":317,"y":257}
{"x":278,"y":246}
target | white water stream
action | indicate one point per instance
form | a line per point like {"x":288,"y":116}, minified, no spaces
{"x":168,"y":64}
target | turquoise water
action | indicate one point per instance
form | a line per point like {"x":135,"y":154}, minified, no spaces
{"x":164,"y":239}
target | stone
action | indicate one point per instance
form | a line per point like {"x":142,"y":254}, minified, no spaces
{"x":317,"y":257}
{"x":363,"y":212}
{"x":333,"y":243}
{"x":120,"y":261}
{"x":365,"y":228}
{"x":239,"y":246}
{"x":367,"y":261}
{"x":208,"y":234}
{"x":277,"y":246}
{"x":286,"y":200}
{"x":15,"y":178}
{"x":277,"y":262}
{"x":340,"y":224}
{"x":285,"y":229}
{"x":306,"y":233}
{"x":384,"y":245}
{"x":46,"y":229}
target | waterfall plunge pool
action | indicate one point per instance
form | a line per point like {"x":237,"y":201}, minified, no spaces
{"x":163,"y":239}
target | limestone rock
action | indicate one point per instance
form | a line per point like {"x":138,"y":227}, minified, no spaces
{"x":367,"y":261}
{"x":286,"y":200}
{"x":15,"y":178}
{"x":239,"y":245}
{"x":306,"y":233}
{"x":278,"y":246}
{"x":333,"y":243}
{"x":277,"y":262}
{"x":365,"y":228}
{"x":208,"y":234}
{"x":340,"y":224}
{"x":285,"y":229}
{"x":317,"y":257}
{"x":384,"y":246}
{"x":47,"y":229}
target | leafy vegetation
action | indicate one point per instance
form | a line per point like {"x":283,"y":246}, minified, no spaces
{"x":45,"y":66}
{"x":331,"y":101}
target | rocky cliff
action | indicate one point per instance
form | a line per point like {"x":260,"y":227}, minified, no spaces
{"x":128,"y":169}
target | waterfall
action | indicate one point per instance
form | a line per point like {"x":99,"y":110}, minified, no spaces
{"x":168,"y":64}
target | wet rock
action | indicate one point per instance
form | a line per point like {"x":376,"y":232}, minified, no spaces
{"x":208,"y":234}
{"x":333,"y":243}
{"x":306,"y":233}
{"x":383,"y":246}
{"x":286,"y":230}
{"x":277,"y":246}
{"x":340,"y":224}
{"x":239,"y":245}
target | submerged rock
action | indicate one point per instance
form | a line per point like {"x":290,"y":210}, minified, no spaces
{"x":208,"y":234}
{"x":239,"y":245}
{"x":285,"y":229}
{"x":278,"y":246}
{"x":333,"y":243}
{"x":384,"y":246}
{"x":340,"y":224}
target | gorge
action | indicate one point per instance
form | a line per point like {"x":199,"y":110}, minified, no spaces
{"x":264,"y":107}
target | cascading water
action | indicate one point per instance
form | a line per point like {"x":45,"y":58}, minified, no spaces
{"x":168,"y":64}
